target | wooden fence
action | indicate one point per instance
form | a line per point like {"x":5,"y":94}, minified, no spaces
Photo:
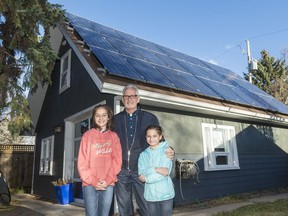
{"x":16,"y":163}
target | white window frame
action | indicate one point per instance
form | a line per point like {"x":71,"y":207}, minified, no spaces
{"x":46,"y":159}
{"x":219,"y":142}
{"x":65,"y":72}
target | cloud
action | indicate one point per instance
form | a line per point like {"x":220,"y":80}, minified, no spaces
{"x":229,"y":46}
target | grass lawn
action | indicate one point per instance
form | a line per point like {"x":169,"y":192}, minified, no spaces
{"x":277,"y":208}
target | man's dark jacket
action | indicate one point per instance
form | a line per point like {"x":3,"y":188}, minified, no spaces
{"x":144,"y":120}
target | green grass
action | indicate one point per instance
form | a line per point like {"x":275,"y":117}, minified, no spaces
{"x":17,"y":190}
{"x":228,"y":199}
{"x":20,"y":190}
{"x":277,"y":208}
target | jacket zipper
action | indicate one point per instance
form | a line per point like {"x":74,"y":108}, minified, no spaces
{"x":129,"y":149}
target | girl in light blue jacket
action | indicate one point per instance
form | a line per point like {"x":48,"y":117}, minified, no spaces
{"x":154,"y":168}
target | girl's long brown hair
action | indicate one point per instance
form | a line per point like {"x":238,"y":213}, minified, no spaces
{"x":110,"y":116}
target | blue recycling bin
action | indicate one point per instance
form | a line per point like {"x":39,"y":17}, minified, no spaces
{"x":64,"y":193}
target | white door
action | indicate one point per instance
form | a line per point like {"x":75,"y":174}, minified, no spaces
{"x":80,"y":128}
{"x":75,"y":127}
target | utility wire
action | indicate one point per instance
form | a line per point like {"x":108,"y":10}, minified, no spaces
{"x":267,"y":34}
{"x":228,"y":50}
{"x":251,"y":38}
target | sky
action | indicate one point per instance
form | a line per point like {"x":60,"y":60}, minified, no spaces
{"x":211,"y":30}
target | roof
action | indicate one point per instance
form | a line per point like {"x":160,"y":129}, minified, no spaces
{"x":127,"y":56}
{"x":166,"y":78}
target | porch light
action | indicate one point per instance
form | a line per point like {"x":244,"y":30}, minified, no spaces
{"x":58,"y":129}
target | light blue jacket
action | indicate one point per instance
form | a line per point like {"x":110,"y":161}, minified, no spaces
{"x":157,"y":186}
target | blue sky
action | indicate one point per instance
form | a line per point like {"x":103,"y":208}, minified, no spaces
{"x":211,"y":30}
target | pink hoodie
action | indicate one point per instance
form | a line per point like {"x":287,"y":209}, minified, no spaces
{"x":100,"y":157}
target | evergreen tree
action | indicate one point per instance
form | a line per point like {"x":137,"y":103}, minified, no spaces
{"x":26,"y":57}
{"x":271,"y":76}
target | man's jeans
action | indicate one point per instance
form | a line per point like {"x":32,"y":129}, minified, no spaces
{"x":97,"y":202}
{"x":127,"y":180}
{"x":160,"y":208}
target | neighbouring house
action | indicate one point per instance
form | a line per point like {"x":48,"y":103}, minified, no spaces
{"x":235,"y":132}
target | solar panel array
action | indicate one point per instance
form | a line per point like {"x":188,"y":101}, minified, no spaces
{"x":131,"y":57}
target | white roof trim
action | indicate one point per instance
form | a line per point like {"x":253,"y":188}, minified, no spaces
{"x":167,"y":101}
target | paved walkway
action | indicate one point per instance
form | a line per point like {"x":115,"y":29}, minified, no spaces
{"x":48,"y":209}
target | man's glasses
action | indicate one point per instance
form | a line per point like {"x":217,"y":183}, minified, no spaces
{"x":132,"y":97}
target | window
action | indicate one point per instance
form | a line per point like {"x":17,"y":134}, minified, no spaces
{"x":220,"y":148}
{"x":65,"y":71}
{"x":46,"y":160}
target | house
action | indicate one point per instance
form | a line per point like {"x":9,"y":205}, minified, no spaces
{"x":235,"y":132}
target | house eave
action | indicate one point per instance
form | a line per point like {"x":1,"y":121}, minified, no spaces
{"x":201,"y":107}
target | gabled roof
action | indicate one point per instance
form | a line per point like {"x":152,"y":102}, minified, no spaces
{"x":127,"y":56}
{"x":166,"y":78}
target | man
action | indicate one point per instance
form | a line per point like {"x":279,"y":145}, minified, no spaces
{"x":130,"y":125}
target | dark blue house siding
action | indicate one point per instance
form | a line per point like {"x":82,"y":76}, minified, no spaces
{"x":257,"y":172}
{"x":82,"y":93}
{"x":262,"y":157}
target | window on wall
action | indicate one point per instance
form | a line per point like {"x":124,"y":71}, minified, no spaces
{"x":65,"y":71}
{"x":46,"y":160}
{"x":220,"y":147}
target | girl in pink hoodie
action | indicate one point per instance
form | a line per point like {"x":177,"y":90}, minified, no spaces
{"x":99,"y":162}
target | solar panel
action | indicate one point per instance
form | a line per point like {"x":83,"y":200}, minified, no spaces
{"x":170,"y":62}
{"x":227,"y":76}
{"x":187,"y":82}
{"x":196,"y":61}
{"x":170,"y":52}
{"x":179,"y":82}
{"x":116,"y":64}
{"x":199,"y":71}
{"x":109,"y":32}
{"x":124,"y":48}
{"x":131,"y":57}
{"x":150,"y":73}
{"x":276,"y":105}
{"x":262,"y":99}
{"x":224,"y":91}
{"x":130,"y":39}
{"x":149,"y":45}
{"x":76,"y":21}
{"x":201,"y":86}
{"x":94,"y":39}
{"x":150,"y":56}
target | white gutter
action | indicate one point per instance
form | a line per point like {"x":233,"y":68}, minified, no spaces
{"x":167,"y":101}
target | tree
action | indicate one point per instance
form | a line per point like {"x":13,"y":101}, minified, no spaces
{"x":26,"y":57}
{"x":5,"y":135}
{"x":271,"y":76}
